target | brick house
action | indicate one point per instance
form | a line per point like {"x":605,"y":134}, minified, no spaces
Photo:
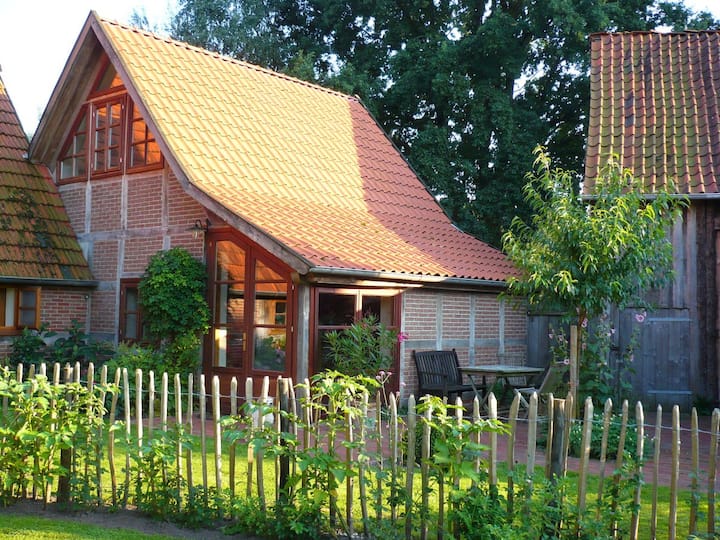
{"x":655,"y":103}
{"x":304,"y":212}
{"x":43,"y":274}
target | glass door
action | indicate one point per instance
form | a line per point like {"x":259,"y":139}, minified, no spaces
{"x":252,"y":315}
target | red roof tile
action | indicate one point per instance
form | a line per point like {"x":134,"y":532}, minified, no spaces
{"x":36,"y":239}
{"x":306,"y":166}
{"x":655,"y":103}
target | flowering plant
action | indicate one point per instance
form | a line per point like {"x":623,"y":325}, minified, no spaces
{"x":364,"y":348}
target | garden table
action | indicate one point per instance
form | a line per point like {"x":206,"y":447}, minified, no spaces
{"x":501,"y":373}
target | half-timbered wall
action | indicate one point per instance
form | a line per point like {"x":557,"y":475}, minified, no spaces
{"x":482,"y":328}
{"x":121,"y":222}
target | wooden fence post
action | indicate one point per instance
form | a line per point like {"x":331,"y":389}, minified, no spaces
{"x":284,"y":410}
{"x":557,"y":455}
{"x":574,"y":368}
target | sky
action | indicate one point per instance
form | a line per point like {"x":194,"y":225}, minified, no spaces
{"x":37,"y":36}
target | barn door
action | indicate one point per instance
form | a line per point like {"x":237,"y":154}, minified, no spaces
{"x":662,"y":359}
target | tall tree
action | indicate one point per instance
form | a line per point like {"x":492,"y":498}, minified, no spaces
{"x":466,"y":88}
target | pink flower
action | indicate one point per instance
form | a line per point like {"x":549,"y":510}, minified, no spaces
{"x":584,"y":323}
{"x":402,"y":336}
{"x":566,"y":361}
{"x":640,"y":317}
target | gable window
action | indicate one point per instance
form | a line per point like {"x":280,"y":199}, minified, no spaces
{"x":107,"y":134}
{"x":144,"y":150}
{"x":110,"y":135}
{"x":74,"y":162}
{"x":19,"y":308}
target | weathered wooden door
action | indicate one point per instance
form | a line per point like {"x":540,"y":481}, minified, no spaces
{"x":662,"y":359}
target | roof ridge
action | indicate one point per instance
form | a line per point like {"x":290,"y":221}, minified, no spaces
{"x":226,"y":58}
{"x":653,"y":32}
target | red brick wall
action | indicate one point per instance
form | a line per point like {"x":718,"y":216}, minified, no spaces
{"x":105,"y":214}
{"x":122,"y":237}
{"x":58,"y":307}
{"x":470,"y":323}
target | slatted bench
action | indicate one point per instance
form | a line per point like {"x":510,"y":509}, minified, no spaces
{"x":439,"y":374}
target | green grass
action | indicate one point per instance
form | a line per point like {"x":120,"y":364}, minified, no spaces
{"x":42,"y":528}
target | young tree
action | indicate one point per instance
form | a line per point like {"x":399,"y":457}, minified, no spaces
{"x":583,"y":255}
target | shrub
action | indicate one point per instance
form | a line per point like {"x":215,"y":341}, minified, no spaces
{"x":575,"y":443}
{"x":172,"y":295}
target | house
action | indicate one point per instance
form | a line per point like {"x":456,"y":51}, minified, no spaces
{"x":304,"y":212}
{"x":43,"y":274}
{"x":655,"y":103}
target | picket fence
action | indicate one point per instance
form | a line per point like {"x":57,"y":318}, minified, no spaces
{"x":199,"y":411}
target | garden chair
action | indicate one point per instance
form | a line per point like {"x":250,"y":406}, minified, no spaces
{"x":552,"y":379}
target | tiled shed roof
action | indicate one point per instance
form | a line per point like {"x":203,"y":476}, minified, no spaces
{"x":37,"y":242}
{"x":304,"y":165}
{"x":655,"y":102}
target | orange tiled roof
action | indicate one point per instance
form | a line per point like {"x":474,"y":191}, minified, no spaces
{"x":36,"y":240}
{"x":304,"y":165}
{"x":655,"y":102}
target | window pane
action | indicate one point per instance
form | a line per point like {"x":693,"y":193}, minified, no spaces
{"x":153,"y":153}
{"x":269,"y":349}
{"x":113,"y":158}
{"x":27,"y":318}
{"x":28,"y":299}
{"x":336,"y":309}
{"x":131,"y":299}
{"x":230,"y":262}
{"x":131,"y":326}
{"x":137,"y":156}
{"x":265,"y":273}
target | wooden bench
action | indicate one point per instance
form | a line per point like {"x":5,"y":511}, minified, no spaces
{"x":439,"y":374}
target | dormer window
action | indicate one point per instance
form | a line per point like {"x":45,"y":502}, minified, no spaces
{"x":118,"y":139}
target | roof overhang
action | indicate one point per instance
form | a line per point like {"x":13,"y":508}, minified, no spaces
{"x":40,"y":282}
{"x":334,"y":276}
{"x":67,"y":97}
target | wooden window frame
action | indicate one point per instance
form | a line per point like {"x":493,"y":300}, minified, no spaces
{"x":18,"y":309}
{"x":126,"y":284}
{"x":106,"y":148}
{"x":358,"y":293}
{"x":133,"y":116}
{"x":95,"y":101}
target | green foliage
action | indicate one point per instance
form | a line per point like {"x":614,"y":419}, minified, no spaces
{"x":172,"y":294}
{"x":580,"y":256}
{"x":41,"y":420}
{"x":364,"y":348}
{"x":605,"y":372}
{"x":78,"y":347}
{"x":33,"y":347}
{"x":614,"y":428}
{"x":29,"y":347}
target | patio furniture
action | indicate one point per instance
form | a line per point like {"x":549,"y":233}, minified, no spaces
{"x":502,"y":373}
{"x":551,"y":380}
{"x":439,"y":374}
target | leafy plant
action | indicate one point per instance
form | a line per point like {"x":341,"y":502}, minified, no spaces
{"x":364,"y":348}
{"x":172,"y":294}
{"x":30,"y":347}
{"x":575,"y":442}
{"x":78,"y":347}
